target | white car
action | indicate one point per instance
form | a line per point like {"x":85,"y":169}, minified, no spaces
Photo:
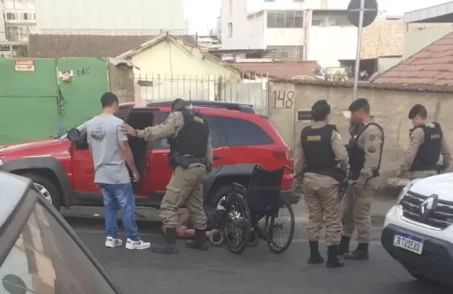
{"x":418,"y":230}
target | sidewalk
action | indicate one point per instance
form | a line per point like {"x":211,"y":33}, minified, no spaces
{"x":380,"y":206}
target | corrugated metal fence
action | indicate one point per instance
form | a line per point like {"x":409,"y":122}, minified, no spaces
{"x":246,"y":89}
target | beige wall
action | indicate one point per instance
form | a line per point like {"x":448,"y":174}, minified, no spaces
{"x":418,"y":36}
{"x":389,"y":107}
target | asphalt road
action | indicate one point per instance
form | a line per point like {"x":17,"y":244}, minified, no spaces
{"x":256,"y":271}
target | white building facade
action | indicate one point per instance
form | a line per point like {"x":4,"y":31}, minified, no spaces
{"x":19,"y":19}
{"x":110,"y":17}
{"x":290,"y":29}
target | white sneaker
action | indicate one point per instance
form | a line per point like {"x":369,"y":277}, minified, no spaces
{"x":137,"y":245}
{"x":112,"y":242}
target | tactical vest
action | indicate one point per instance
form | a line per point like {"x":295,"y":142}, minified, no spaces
{"x":428,"y":153}
{"x":357,"y":154}
{"x":190,"y":144}
{"x":318,"y":153}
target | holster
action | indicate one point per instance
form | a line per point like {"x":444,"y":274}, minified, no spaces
{"x":177,"y":159}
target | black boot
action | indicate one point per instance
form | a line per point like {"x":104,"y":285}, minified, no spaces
{"x":332,"y":258}
{"x":343,"y":247}
{"x":315,"y":256}
{"x":361,"y":253}
{"x":169,"y":246}
{"x":200,"y":242}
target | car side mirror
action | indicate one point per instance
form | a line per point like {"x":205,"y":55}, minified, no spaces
{"x":74,"y":135}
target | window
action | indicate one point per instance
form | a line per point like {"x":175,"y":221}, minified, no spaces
{"x":46,"y":259}
{"x":163,"y":144}
{"x":285,"y":19}
{"x":293,"y":53}
{"x":269,"y":0}
{"x":316,"y":22}
{"x":11,"y":16}
{"x":239,"y":132}
{"x":27,"y":16}
{"x":230,"y":7}
{"x":230,"y":30}
{"x":12,"y":33}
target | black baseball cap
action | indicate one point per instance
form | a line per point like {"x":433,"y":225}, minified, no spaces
{"x":415,"y":110}
{"x":358,"y":104}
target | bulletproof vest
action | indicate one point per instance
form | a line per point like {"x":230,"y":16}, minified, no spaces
{"x":357,"y":154}
{"x":192,"y":139}
{"x":428,"y":153}
{"x":317,"y":146}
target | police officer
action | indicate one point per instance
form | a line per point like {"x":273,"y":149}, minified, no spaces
{"x":190,"y":157}
{"x":320,"y":151}
{"x":427,"y":143}
{"x":365,"y":152}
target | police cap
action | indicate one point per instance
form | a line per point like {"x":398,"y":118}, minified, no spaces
{"x":320,"y":110}
{"x":416,"y":110}
{"x":358,"y":104}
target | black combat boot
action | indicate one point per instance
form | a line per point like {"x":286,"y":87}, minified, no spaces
{"x":343,"y":247}
{"x":361,"y":253}
{"x":169,"y":246}
{"x":315,"y":256}
{"x":200,"y":242}
{"x":332,"y":258}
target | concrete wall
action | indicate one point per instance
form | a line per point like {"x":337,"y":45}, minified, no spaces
{"x":341,"y":44}
{"x":418,"y":36}
{"x":389,"y":107}
{"x":384,"y":63}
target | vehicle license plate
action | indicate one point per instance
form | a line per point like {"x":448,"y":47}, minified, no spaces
{"x":408,"y":242}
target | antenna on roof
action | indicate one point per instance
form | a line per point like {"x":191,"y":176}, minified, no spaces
{"x":190,"y":101}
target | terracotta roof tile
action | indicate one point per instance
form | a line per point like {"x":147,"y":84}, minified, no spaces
{"x":54,"y":46}
{"x":281,"y":70}
{"x":433,"y":65}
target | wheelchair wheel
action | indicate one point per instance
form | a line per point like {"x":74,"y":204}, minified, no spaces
{"x":275,"y":227}
{"x":237,"y":224}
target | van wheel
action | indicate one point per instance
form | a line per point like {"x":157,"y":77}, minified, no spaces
{"x":46,"y":188}
{"x":219,"y":196}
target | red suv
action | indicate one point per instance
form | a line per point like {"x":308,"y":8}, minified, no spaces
{"x":63,"y":169}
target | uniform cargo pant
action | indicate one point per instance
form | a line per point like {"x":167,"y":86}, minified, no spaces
{"x":184,"y":189}
{"x":322,"y":198}
{"x":357,"y":212}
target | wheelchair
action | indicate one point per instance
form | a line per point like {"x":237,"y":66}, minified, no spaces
{"x":244,"y":207}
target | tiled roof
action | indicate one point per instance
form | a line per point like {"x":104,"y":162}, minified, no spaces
{"x":54,"y":46}
{"x":281,"y":70}
{"x":431,"y":66}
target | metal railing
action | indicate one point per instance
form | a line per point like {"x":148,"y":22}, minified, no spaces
{"x":239,"y":89}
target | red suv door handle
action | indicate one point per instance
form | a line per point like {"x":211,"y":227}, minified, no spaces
{"x":216,"y":158}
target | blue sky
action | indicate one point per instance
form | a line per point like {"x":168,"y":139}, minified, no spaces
{"x":202,"y":14}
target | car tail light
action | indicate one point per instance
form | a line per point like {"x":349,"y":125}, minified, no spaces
{"x":282,"y":154}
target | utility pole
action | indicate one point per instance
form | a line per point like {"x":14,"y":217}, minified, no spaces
{"x":359,"y":48}
{"x":360,"y":15}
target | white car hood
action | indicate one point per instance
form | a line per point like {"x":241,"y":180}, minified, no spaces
{"x":441,"y":185}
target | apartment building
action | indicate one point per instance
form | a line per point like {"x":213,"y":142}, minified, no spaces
{"x":290,"y":29}
{"x":110,"y":17}
{"x":19,"y":19}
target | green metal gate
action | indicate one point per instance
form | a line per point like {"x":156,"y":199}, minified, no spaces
{"x":43,"y":97}
{"x":28,"y":91}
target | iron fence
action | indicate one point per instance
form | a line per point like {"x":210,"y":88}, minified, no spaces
{"x":239,"y":89}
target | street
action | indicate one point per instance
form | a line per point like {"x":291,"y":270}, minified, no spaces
{"x":256,"y":271}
